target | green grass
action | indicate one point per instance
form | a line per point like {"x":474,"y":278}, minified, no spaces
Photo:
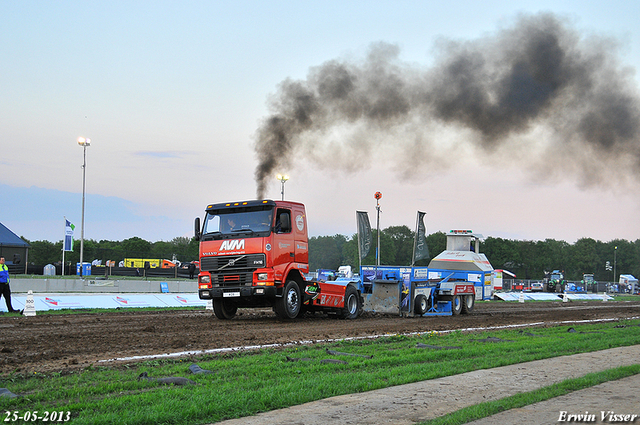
{"x":625,"y":297}
{"x":246,"y":383}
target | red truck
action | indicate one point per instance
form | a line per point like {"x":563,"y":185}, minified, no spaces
{"x":256,"y":254}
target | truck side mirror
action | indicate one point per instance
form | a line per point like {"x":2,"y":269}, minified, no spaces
{"x":196,"y":226}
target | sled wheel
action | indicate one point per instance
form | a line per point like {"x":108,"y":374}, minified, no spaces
{"x":289,"y":306}
{"x":223,"y":310}
{"x":352,"y":306}
{"x":456,"y":305}
{"x":468,"y":304}
{"x":420,"y":305}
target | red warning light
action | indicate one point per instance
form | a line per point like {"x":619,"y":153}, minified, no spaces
{"x":378,"y":195}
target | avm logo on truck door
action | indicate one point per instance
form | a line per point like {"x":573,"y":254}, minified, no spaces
{"x":232,"y":245}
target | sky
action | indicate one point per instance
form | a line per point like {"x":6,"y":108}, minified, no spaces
{"x":180,"y":101}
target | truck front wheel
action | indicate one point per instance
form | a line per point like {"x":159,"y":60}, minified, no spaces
{"x":288,"y":307}
{"x":223,"y":310}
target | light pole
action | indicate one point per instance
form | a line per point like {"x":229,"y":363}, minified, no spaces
{"x":378,"y":196}
{"x":283,"y":178}
{"x":84,"y":142}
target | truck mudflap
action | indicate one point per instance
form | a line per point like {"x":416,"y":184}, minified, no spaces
{"x":311,"y":292}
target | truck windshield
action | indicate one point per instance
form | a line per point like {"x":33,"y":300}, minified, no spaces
{"x":232,"y":222}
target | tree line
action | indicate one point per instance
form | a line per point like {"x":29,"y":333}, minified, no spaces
{"x":527,"y":259}
{"x":182,"y":249}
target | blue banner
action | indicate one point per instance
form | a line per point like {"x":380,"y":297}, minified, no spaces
{"x":68,"y":235}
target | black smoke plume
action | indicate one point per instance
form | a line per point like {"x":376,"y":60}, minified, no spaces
{"x":540,"y":93}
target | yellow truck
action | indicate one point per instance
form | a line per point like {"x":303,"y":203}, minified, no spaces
{"x":142,"y":263}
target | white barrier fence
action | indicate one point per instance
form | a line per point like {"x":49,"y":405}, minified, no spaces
{"x":57,"y":301}
{"x":98,"y":285}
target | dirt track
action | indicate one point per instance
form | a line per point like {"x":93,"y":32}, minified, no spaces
{"x":48,"y":343}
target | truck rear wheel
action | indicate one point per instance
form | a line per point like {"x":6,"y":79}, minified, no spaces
{"x":288,"y":307}
{"x":352,"y":305}
{"x":469,"y":303}
{"x":456,"y":305}
{"x":223,"y":310}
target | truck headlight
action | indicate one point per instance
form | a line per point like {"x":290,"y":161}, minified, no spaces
{"x":205,"y":279}
{"x":262,"y":276}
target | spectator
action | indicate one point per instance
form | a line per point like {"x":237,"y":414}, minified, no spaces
{"x":5,"y":290}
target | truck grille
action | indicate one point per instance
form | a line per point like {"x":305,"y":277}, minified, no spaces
{"x":232,"y":270}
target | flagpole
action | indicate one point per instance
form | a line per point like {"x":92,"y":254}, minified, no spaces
{"x":63,"y":239}
{"x":415,"y":240}
{"x":359,"y":250}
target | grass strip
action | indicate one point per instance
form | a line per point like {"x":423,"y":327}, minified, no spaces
{"x":489,"y":408}
{"x":247,"y":383}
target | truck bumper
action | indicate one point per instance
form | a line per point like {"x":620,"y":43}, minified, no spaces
{"x":244,"y":293}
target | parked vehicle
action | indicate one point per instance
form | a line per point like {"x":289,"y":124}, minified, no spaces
{"x":537,"y":287}
{"x":554,"y":281}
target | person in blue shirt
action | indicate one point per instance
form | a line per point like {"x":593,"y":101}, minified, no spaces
{"x":5,"y":290}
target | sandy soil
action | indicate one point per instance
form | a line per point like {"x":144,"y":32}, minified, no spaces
{"x":48,"y":343}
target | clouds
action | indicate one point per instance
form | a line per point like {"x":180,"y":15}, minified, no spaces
{"x":38,"y":214}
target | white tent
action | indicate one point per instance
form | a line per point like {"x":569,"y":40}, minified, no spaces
{"x":630,"y":281}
